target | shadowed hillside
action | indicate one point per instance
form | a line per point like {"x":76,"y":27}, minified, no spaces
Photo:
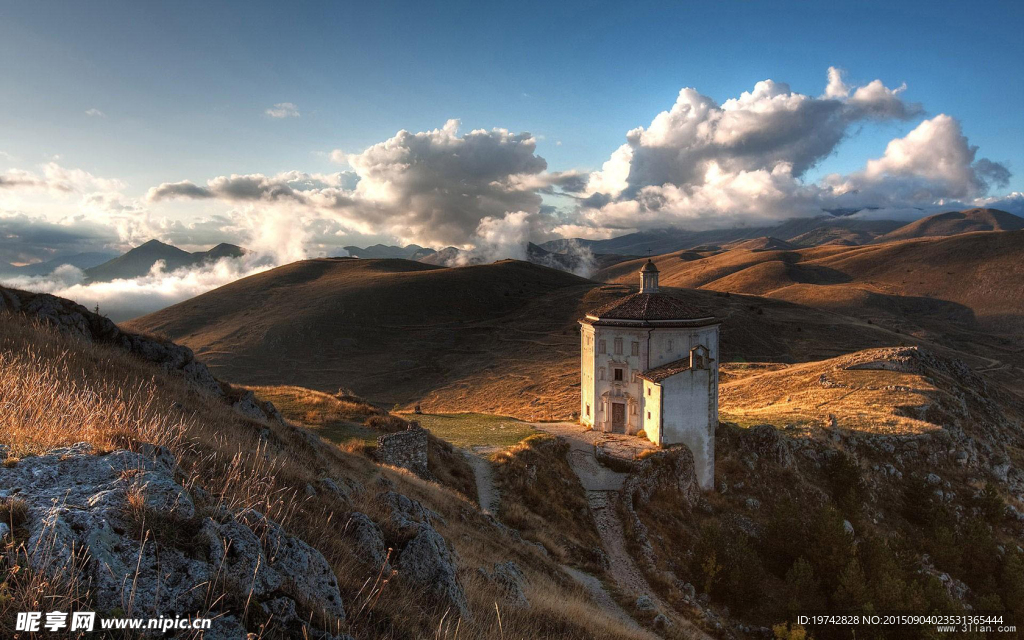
{"x":499,"y":338}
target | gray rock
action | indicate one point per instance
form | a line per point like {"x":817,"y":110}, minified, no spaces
{"x":281,"y":611}
{"x":661,"y":621}
{"x":645,"y":603}
{"x":511,"y":580}
{"x":933,"y":479}
{"x":406,"y":514}
{"x":753,"y":504}
{"x":848,"y":527}
{"x":428,"y":562}
{"x":78,"y":507}
{"x":305,"y":574}
{"x":248,"y":407}
{"x":240,"y":557}
{"x":368,"y":541}
{"x":4,"y":531}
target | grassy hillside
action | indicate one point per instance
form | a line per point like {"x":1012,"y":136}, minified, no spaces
{"x":64,"y":390}
{"x":956,"y":222}
{"x":500,"y":339}
{"x":962,"y":291}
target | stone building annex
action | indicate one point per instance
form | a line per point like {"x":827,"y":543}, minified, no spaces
{"x":650,"y":365}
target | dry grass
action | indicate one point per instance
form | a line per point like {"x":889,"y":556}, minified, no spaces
{"x":542,"y":498}
{"x":57,"y":390}
{"x":806,"y":395}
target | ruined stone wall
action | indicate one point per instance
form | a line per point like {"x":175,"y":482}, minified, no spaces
{"x":406,"y":449}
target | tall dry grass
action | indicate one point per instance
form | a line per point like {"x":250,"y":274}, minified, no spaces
{"x":57,"y":390}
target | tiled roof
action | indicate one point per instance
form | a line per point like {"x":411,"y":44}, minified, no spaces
{"x":657,"y":374}
{"x":649,"y":306}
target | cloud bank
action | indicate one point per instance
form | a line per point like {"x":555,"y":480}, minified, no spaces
{"x":699,"y":164}
{"x":129,"y":298}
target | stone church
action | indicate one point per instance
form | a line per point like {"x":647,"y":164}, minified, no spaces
{"x":650,"y":364}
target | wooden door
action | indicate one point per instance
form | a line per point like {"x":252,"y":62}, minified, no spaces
{"x":618,"y":417}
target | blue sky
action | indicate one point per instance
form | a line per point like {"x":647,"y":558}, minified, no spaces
{"x":184,"y":86}
{"x":123,"y":121}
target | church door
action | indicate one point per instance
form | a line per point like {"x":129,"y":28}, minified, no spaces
{"x":618,"y":417}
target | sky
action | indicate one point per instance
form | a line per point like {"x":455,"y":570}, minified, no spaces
{"x":298,"y":128}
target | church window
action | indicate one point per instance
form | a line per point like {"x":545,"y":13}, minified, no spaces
{"x":600,"y":373}
{"x":602,"y":346}
{"x":588,"y":410}
{"x":648,"y":415}
{"x":636,"y":348}
{"x":618,"y":346}
{"x":618,"y":375}
{"x":670,"y":345}
{"x":648,"y":391}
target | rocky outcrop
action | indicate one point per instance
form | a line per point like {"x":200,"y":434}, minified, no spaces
{"x":669,"y":472}
{"x":74,"y":319}
{"x":425,"y":559}
{"x":125,"y":526}
{"x":405,"y":449}
{"x":764,"y":442}
{"x":510,"y":581}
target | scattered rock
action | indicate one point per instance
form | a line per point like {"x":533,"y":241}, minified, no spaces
{"x":933,"y":479}
{"x":645,"y":603}
{"x":848,"y":527}
{"x":4,"y":531}
{"x":753,"y":504}
{"x":511,"y":580}
{"x":661,"y":621}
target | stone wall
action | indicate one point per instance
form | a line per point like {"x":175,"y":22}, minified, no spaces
{"x":406,"y":449}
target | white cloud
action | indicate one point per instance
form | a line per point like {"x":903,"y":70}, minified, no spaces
{"x":703,"y":165}
{"x":283,"y":110}
{"x":338,"y":156}
{"x":129,"y":298}
{"x":95,"y":113}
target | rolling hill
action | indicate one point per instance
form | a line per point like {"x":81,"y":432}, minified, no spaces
{"x":956,"y":222}
{"x":962,"y":291}
{"x":499,"y":338}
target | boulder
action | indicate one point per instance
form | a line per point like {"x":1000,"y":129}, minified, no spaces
{"x":645,"y":603}
{"x":511,"y":581}
{"x":427,"y":561}
{"x":305,"y":574}
{"x":368,"y":541}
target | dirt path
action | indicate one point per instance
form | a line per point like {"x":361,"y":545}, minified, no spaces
{"x":602,"y":485}
{"x":487,"y":494}
{"x":604,"y":599}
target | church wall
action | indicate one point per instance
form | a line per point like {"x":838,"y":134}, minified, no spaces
{"x":652,"y":411}
{"x":587,"y":408}
{"x":686,"y":419}
{"x":607,"y":390}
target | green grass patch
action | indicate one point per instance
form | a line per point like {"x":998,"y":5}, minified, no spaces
{"x":471,"y":429}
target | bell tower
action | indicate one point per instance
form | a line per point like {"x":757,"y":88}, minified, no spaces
{"x":649,"y":278}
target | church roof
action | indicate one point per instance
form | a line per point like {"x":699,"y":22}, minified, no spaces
{"x":667,"y":370}
{"x":644,"y":308}
{"x":650,"y":266}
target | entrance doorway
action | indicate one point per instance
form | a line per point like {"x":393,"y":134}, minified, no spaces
{"x":618,"y":417}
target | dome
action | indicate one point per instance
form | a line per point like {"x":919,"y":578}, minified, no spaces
{"x":649,"y":267}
